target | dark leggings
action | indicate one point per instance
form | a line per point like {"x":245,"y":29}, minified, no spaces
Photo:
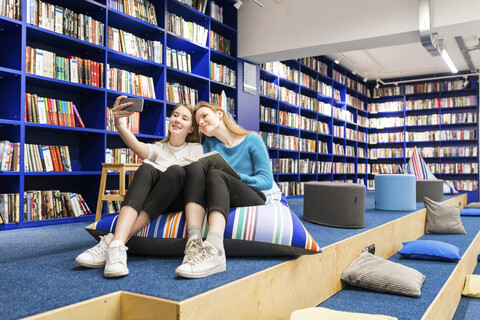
{"x":218,"y":191}
{"x":155,"y":191}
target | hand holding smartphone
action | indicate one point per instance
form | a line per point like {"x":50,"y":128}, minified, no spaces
{"x":137,"y":104}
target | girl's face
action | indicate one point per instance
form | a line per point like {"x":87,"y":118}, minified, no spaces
{"x":208,"y":120}
{"x":181,"y":122}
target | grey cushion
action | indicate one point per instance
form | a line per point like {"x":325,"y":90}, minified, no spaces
{"x":374,"y":273}
{"x":475,"y":205}
{"x":442,"y":218}
{"x":432,"y":189}
{"x":335,"y":204}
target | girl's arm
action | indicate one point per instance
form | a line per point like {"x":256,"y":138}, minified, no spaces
{"x":140,"y":148}
{"x":262,"y":172}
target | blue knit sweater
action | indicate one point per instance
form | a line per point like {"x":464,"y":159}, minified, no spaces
{"x":249,"y":158}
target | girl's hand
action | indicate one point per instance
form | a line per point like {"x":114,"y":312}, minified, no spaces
{"x":118,"y":111}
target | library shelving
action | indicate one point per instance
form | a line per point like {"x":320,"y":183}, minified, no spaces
{"x":89,"y":52}
{"x":313,"y":120}
{"x":439,"y":117}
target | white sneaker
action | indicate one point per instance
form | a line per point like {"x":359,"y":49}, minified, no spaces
{"x":194,"y":244}
{"x":96,"y":256}
{"x":206,"y":262}
{"x":116,"y":264}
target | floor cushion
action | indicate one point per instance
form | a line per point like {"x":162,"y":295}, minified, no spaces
{"x":442,"y":218}
{"x":470,"y":212}
{"x":395,"y":192}
{"x":374,"y":273}
{"x":472,"y":286}
{"x":268,"y":230}
{"x":329,"y":314}
{"x":475,"y":205}
{"x":430,"y":250}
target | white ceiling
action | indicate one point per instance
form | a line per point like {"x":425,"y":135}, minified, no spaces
{"x":407,"y":60}
{"x":377,"y":38}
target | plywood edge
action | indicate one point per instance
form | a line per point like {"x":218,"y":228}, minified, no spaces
{"x":446,"y":302}
{"x":103,"y":307}
{"x":139,"y":306}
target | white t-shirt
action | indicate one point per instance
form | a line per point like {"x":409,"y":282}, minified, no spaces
{"x":162,"y":154}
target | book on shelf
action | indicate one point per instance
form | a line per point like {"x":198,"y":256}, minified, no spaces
{"x":43,"y":158}
{"x":215,"y":158}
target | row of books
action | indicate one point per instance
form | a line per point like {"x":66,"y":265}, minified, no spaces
{"x":291,"y":188}
{"x":48,"y":64}
{"x":315,"y":64}
{"x":9,"y":207}
{"x":280,"y":141}
{"x":338,"y":149}
{"x":63,"y":20}
{"x":131,"y":122}
{"x":350,"y":83}
{"x":446,"y":118}
{"x":220,"y":43}
{"x":377,"y":168}
{"x":387,"y":122}
{"x":52,"y":204}
{"x":111,"y":206}
{"x":452,"y":102}
{"x":385,"y":137}
{"x":187,"y":29}
{"x":222,"y":73}
{"x":140,"y":9}
{"x":354,"y":102}
{"x":11,"y":9}
{"x":350,"y":151}
{"x":216,"y":99}
{"x":453,"y":168}
{"x":381,"y":153}
{"x":178,"y":93}
{"x":179,"y":60}
{"x":121,"y":155}
{"x":216,"y":12}
{"x":9,"y":156}
{"x":129,"y":43}
{"x":441,"y":135}
{"x":269,"y":89}
{"x":427,"y":152}
{"x":281,"y":70}
{"x":465,"y":185}
{"x":199,"y":5}
{"x":51,"y":111}
{"x":130,"y":82}
{"x":308,"y":81}
{"x":342,"y":167}
{"x":434,"y":86}
{"x":388,"y":91}
{"x":43,"y":158}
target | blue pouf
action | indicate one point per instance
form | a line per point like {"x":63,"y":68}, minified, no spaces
{"x":395,"y":192}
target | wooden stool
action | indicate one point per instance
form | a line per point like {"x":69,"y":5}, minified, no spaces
{"x":121,"y":168}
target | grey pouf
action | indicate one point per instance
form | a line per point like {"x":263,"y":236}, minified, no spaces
{"x":335,"y":204}
{"x":432,"y":189}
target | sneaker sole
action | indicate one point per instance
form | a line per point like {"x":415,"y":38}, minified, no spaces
{"x":89,"y":265}
{"x":115,"y":274}
{"x":201,"y":275}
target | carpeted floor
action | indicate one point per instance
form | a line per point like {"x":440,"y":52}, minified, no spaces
{"x":38,"y":272}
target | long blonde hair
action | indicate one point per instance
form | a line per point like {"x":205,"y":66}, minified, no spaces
{"x":193,"y":136}
{"x":227,"y":121}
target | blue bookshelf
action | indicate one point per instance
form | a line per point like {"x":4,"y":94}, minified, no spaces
{"x":87,"y":145}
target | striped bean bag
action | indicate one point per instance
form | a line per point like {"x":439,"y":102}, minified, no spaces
{"x":268,"y":230}
{"x":417,"y":166}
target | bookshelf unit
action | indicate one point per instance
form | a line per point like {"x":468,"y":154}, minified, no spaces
{"x":87,"y":145}
{"x":440,"y":119}
{"x":311,"y":121}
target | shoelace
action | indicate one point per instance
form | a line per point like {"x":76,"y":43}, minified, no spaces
{"x":192,"y":250}
{"x":204,"y":253}
{"x":101,"y":247}
{"x":115,"y":254}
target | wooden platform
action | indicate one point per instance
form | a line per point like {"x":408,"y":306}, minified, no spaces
{"x":276,"y":292}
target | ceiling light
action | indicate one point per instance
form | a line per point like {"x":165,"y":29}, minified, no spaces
{"x":449,"y":61}
{"x":337,"y":61}
{"x":365,"y":79}
{"x":377,"y":85}
{"x":354,"y":72}
{"x":238,"y":4}
{"x":257,"y":3}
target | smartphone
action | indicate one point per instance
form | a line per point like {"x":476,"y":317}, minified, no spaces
{"x":137,"y":105}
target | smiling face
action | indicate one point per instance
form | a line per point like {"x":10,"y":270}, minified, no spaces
{"x":208,"y":120}
{"x":181,"y":122}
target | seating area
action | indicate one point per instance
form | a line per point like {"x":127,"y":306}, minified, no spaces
{"x":310,"y":280}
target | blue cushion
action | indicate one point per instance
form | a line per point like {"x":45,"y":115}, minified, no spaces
{"x":470,"y":212}
{"x":395,"y":192}
{"x":430,"y":250}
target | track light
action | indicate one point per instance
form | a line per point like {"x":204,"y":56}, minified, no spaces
{"x":377,"y":85}
{"x":238,"y":4}
{"x":449,"y":61}
{"x":465,"y":82}
{"x":257,"y":3}
{"x":354,"y":72}
{"x":365,"y":79}
{"x":337,"y":61}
